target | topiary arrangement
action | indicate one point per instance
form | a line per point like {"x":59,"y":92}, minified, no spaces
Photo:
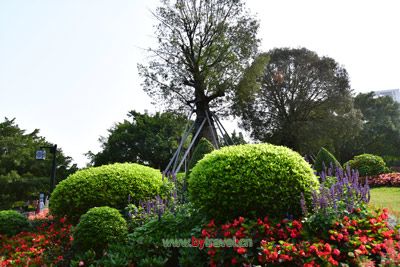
{"x":203,"y":147}
{"x":251,"y":180}
{"x":325,"y":158}
{"x":12,"y":222}
{"x":99,"y":227}
{"x":368,"y":164}
{"x":107,"y":185}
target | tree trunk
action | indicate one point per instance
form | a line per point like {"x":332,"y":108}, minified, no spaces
{"x":207,"y":131}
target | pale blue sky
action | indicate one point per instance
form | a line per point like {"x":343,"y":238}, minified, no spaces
{"x":68,"y":67}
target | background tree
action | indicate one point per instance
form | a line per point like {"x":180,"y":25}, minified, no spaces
{"x":22,"y":177}
{"x":203,"y":48}
{"x":381,"y":126}
{"x":145,"y":139}
{"x":295,"y":98}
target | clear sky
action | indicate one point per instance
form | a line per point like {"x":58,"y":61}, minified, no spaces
{"x":68,"y":67}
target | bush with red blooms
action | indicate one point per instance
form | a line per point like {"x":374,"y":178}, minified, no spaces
{"x":385,"y":179}
{"x":48,"y":245}
{"x":361,"y":235}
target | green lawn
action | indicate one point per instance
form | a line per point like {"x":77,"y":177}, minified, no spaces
{"x":386,"y":197}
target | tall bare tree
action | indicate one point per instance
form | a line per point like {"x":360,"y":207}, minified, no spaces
{"x":203,"y":48}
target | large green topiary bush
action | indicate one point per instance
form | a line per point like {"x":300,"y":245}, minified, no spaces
{"x":12,"y":222}
{"x":368,"y":164}
{"x":203,"y":147}
{"x":107,"y":185}
{"x":245,"y":180}
{"x":325,"y":158}
{"x":99,"y":227}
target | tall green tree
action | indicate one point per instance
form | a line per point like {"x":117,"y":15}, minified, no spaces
{"x":144,"y":138}
{"x":381,"y":125}
{"x":21,"y":175}
{"x":295,"y":98}
{"x":203,"y":48}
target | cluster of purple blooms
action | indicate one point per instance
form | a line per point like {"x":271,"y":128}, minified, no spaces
{"x":157,"y":206}
{"x":345,"y":194}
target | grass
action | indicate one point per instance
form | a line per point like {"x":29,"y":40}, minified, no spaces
{"x":386,"y":197}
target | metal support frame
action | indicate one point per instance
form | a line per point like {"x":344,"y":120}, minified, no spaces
{"x":224,"y":133}
{"x":177,"y":161}
{"x":214,"y":134}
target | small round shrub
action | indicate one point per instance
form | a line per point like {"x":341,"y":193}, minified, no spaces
{"x":12,"y":222}
{"x":368,"y":164}
{"x":248,"y":180}
{"x":99,"y":227}
{"x":325,"y":158}
{"x":203,"y":147}
{"x":107,"y":185}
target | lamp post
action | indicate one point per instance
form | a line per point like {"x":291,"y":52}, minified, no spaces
{"x":41,"y":155}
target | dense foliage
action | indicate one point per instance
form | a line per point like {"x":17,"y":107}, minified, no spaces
{"x":203,"y":147}
{"x":146,"y":240}
{"x":107,"y":185}
{"x":148,"y":244}
{"x":144,"y":138}
{"x":325,"y":159}
{"x":368,"y":164}
{"x":240,"y":180}
{"x":22,"y":177}
{"x":294,"y":97}
{"x":380,"y":134}
{"x":12,"y":222}
{"x":98,"y":228}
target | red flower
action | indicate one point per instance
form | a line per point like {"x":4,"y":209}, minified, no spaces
{"x":285,"y":257}
{"x":225,"y":226}
{"x":211,"y":224}
{"x":336,"y":252}
{"x":204,"y":233}
{"x":241,"y":250}
{"x":211,"y":252}
{"x":333,"y":262}
{"x":327,"y":247}
{"x":234,"y":261}
{"x":274,"y":256}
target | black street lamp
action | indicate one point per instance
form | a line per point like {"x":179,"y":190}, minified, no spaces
{"x":41,"y":155}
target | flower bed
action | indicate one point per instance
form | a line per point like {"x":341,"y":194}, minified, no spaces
{"x":46,"y":246}
{"x":385,"y":179}
{"x":361,"y":236}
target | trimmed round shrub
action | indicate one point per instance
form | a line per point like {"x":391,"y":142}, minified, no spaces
{"x":99,"y":227}
{"x":251,"y":180}
{"x":203,"y":147}
{"x":12,"y":222}
{"x":325,"y":158}
{"x":368,"y":164}
{"x":107,"y":185}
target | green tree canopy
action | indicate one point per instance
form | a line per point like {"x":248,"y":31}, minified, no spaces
{"x":146,"y":139}
{"x":381,"y":125}
{"x":203,"y":48}
{"x":295,"y":98}
{"x":21,"y":175}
